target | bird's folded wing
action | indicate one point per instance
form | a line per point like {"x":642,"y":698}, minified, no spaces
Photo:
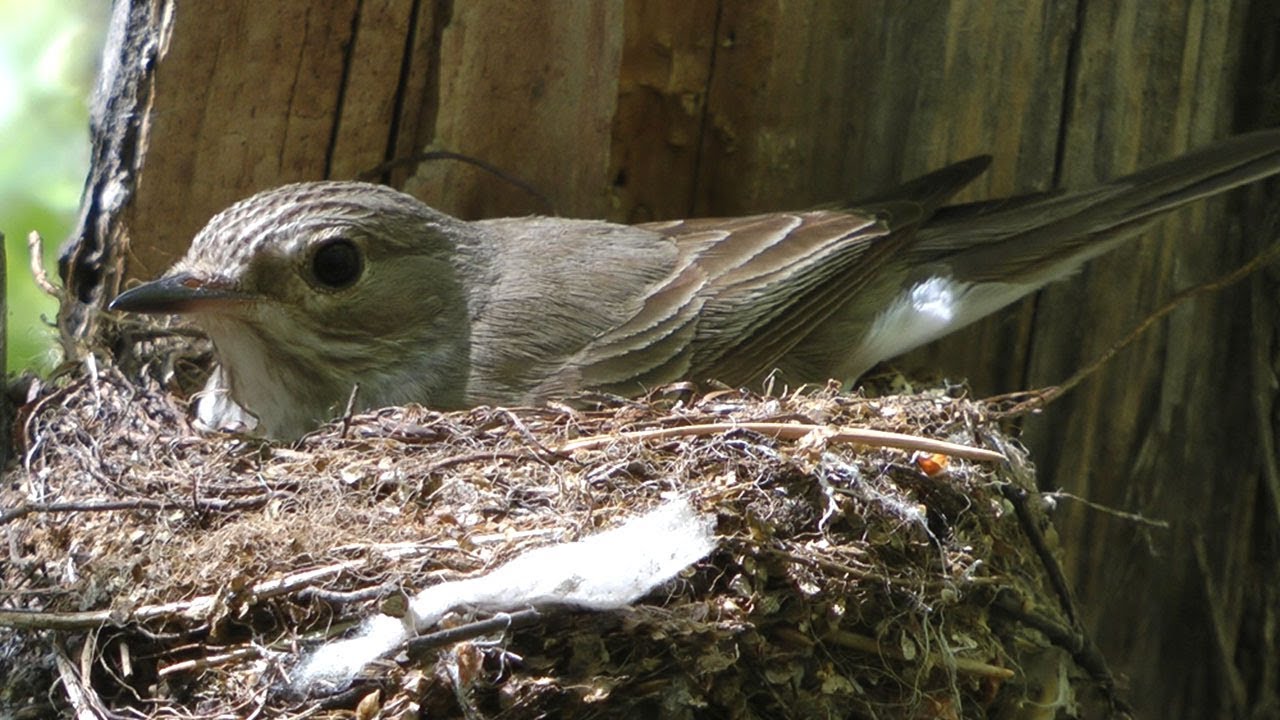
{"x":734,"y":276}
{"x":750,"y":289}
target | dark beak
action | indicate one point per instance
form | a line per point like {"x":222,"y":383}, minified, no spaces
{"x":176,"y":294}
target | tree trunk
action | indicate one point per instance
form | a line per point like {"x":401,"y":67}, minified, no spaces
{"x":645,"y":110}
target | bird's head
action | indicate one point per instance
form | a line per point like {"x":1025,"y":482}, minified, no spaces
{"x":308,"y":289}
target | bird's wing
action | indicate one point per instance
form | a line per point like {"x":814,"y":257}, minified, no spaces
{"x":558,"y":286}
{"x":731,"y":278}
{"x":748,"y":290}
{"x":770,"y":282}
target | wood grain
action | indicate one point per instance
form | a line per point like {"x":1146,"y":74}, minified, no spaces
{"x":1159,"y":431}
{"x":652,"y":109}
{"x":667,"y":54}
{"x":533,"y":91}
{"x":244,"y":98}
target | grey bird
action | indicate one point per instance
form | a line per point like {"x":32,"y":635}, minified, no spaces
{"x":311,"y":289}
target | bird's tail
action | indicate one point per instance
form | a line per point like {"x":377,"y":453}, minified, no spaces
{"x":1034,"y":239}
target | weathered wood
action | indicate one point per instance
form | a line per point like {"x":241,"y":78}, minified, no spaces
{"x":667,"y":53}
{"x":248,"y":106}
{"x":1160,"y":431}
{"x":369,"y":93}
{"x":533,"y":90}
{"x":816,"y":106}
{"x":653,"y":109}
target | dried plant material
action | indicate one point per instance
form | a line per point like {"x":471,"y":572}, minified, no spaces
{"x":848,"y":579}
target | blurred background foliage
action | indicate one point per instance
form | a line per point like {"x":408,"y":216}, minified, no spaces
{"x":49,"y":53}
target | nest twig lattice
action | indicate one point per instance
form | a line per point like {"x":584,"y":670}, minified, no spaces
{"x":181,"y":575}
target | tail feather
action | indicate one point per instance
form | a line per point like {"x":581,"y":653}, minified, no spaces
{"x":1204,"y":172}
{"x":1041,"y":237}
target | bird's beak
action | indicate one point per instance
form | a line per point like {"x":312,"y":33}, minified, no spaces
{"x":179,"y":293}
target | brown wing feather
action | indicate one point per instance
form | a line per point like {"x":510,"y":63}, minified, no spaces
{"x":843,"y":251}
{"x":744,"y":291}
{"x":749,"y":322}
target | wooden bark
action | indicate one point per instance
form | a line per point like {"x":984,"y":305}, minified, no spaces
{"x":651,"y":109}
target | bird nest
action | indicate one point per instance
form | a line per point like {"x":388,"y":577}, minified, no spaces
{"x":156,"y":572}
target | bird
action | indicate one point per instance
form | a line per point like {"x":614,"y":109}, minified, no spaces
{"x":315,"y":293}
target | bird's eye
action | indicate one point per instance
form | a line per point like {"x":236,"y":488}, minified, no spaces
{"x":336,"y":263}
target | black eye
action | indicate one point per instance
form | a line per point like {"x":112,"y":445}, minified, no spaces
{"x":336,"y":263}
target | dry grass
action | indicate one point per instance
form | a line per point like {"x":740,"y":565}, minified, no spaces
{"x":156,"y":572}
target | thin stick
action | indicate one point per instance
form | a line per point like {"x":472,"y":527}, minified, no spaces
{"x":494,"y":170}
{"x":1081,"y":648}
{"x":350,"y":411}
{"x":210,"y":661}
{"x":795,"y":431}
{"x":79,"y":696}
{"x":203,"y":505}
{"x":500,"y":621}
{"x":1131,"y":517}
{"x":196,"y":608}
{"x":35,"y":245}
{"x":869,"y":645}
{"x":1042,"y":397}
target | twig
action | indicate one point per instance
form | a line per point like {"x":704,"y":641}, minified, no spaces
{"x":35,"y":246}
{"x":38,"y":620}
{"x":493,"y":170}
{"x":1018,"y":497}
{"x":210,"y":661}
{"x":502,"y":621}
{"x":25,"y":509}
{"x":529,"y":437}
{"x":1082,"y":650}
{"x":203,"y":505}
{"x":87,"y":705}
{"x":1071,"y":638}
{"x":819,"y":563}
{"x":1131,"y":517}
{"x":349,"y":411}
{"x":1018,"y":493}
{"x":195,"y":608}
{"x":1042,"y":397}
{"x":869,"y":645}
{"x":795,"y":431}
{"x":289,"y":583}
{"x":470,"y":458}
{"x":337,"y":597}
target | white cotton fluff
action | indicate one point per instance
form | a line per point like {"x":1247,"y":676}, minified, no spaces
{"x":607,"y":570}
